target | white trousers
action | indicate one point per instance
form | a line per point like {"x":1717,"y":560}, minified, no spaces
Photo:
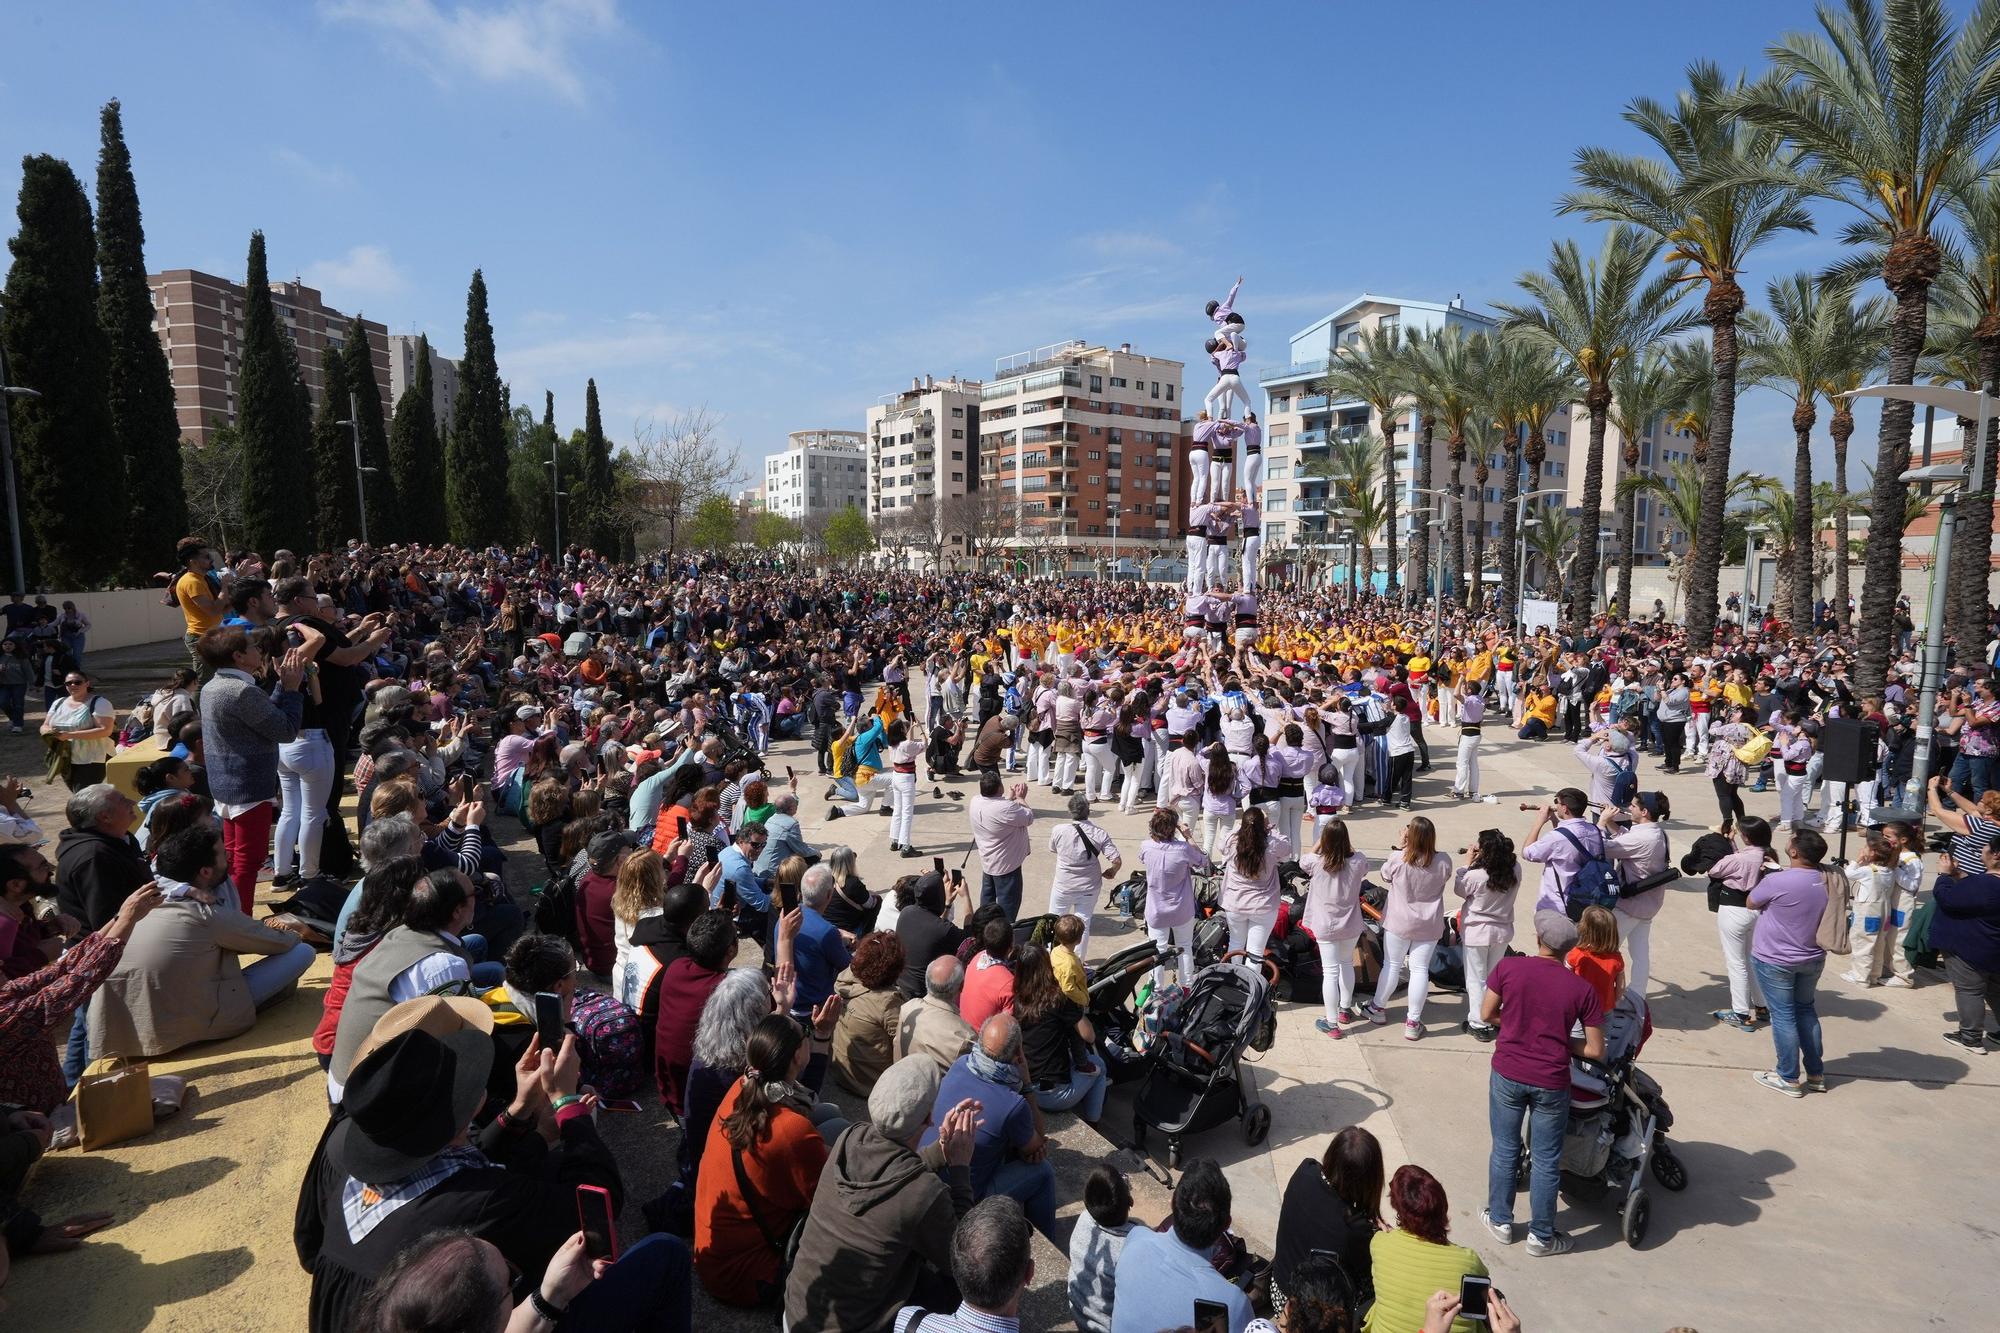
{"x":1197,"y":462}
{"x":1197,"y":553}
{"x":1349,"y":762}
{"x":1737,"y":925}
{"x":1291,"y":810}
{"x":1480,"y":960}
{"x":1876,"y":939}
{"x":1099,"y":764}
{"x":1038,"y":762}
{"x":1701,"y":733}
{"x":1066,"y":771}
{"x":1249,"y":932}
{"x":1448,"y":709}
{"x":1128,"y":795}
{"x":1220,"y":478}
{"x":1078,"y":903}
{"x":1251,"y":475}
{"x":1792,"y":791}
{"x":1336,"y":976}
{"x":1175,"y":937}
{"x":1465,"y":778}
{"x":1218,"y":565}
{"x":902,"y":806}
{"x":1253,"y":550}
{"x":1637,"y":938}
{"x":1504,"y":680}
{"x":1394,"y":948}
{"x":1228,"y":388}
{"x":1214,"y":828}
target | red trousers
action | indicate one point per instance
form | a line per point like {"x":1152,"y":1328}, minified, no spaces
{"x":246,"y":841}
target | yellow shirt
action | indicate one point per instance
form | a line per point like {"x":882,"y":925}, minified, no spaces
{"x":187,"y":587}
{"x":1070,"y":975}
{"x":1544,"y":708}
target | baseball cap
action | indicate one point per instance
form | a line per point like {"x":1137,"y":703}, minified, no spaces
{"x":1555,"y":931}
{"x":602,"y":847}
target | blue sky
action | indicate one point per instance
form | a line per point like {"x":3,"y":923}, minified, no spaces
{"x":782,"y":211}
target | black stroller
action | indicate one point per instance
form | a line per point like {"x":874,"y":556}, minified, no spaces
{"x":1196,"y":1080}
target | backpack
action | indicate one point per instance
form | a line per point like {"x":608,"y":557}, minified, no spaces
{"x":1593,"y":885}
{"x":607,"y":1033}
{"x":555,"y":909}
{"x":1625,"y":782}
{"x":1753,"y":752}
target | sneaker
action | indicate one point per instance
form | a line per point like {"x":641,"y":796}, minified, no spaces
{"x":1856,"y":978}
{"x":834,"y":812}
{"x":1484,"y":1032}
{"x":885,"y":812}
{"x":1771,"y":1080}
{"x":1330,"y":1029}
{"x":1558,"y":1243}
{"x":1816,"y":1084}
{"x":1413,"y":1031}
{"x":1374,"y":1012}
{"x":1897,"y":981}
{"x":1347,"y":1016}
{"x":15,"y":730}
{"x":1966,"y":1041}
{"x":1502,"y":1231}
{"x":1734,"y":1019}
{"x":910,"y":852}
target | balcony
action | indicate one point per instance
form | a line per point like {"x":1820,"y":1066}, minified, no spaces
{"x":1310,"y":439}
{"x":1297,"y":370}
{"x":1315,"y":403}
{"x":1043,"y":434}
{"x":1309,"y":504}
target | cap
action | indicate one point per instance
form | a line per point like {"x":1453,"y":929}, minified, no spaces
{"x":900,"y":1104}
{"x":1555,"y":931}
{"x":1654,"y":803}
{"x":602,"y":847}
{"x":528,"y":712}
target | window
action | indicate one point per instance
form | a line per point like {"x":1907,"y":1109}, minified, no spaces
{"x":1093,"y":455}
{"x":1116,"y":460}
{"x":958,"y":476}
{"x":1274,"y":534}
{"x":1156,"y":388}
{"x":958,"y":434}
{"x":1117,"y":382}
{"x":1097,"y":504}
{"x":1281,"y":404}
{"x":1277,"y":471}
{"x":958,"y":412}
{"x":1095,"y":481}
{"x":1274,"y":500}
{"x":958,"y":455}
{"x":1170,"y":392}
{"x":1097,"y":384}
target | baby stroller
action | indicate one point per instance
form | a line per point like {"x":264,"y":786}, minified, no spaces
{"x":1196,"y":1081}
{"x":1114,"y":1010}
{"x":735,"y":744}
{"x":1618,"y":1123}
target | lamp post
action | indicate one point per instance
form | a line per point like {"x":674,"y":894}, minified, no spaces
{"x":1604,"y":536}
{"x":353,"y":423}
{"x":8,"y":391}
{"x":1521,"y":560}
{"x":1437,"y":602}
{"x":1353,"y":517}
{"x":1439,"y":496}
{"x":556,"y":493}
{"x":1750,"y":535}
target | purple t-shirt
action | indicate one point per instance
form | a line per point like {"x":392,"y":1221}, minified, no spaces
{"x":1788,"y":926}
{"x":1540,"y":1001}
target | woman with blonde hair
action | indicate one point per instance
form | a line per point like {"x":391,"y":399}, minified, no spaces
{"x":642,"y":888}
{"x":1412,"y":923}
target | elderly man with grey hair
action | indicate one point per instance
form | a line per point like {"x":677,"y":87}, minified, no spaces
{"x":1010,"y":1151}
{"x":929,"y":1025}
{"x":98,"y":866}
{"x":879,"y":1233}
{"x":992,"y":1260}
{"x":820,"y":951}
{"x":1085,"y":855}
{"x":786,"y":839}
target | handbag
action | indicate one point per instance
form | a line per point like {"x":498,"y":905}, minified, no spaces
{"x":114,"y":1102}
{"x":1754,"y":751}
{"x":1834,"y":922}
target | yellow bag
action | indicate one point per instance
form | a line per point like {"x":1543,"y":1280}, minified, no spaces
{"x":114,"y":1102}
{"x":1755,"y":750}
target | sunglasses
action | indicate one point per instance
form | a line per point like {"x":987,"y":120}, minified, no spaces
{"x":76,"y":680}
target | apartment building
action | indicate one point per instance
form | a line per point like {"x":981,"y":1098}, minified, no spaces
{"x":1654,"y":535}
{"x":820,"y":473}
{"x":403,"y":373}
{"x":922,"y":447}
{"x":1303,"y":427}
{"x":1084,"y":441}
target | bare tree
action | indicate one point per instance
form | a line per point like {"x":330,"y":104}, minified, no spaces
{"x":898,"y":533}
{"x":678,"y":465}
{"x":212,"y":477}
{"x":983,"y":521}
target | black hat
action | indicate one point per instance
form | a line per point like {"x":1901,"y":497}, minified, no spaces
{"x":410,"y":1098}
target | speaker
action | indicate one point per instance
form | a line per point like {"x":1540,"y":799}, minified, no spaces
{"x":1848,"y":746}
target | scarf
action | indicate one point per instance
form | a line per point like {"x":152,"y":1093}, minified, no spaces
{"x":989,"y":1070}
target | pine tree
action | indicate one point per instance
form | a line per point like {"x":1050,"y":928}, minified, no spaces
{"x":476,"y":498}
{"x":275,"y":418}
{"x":70,"y":470}
{"x":336,"y":515}
{"x":385,"y":519}
{"x":144,"y":426}
{"x":596,"y":525}
{"x":416,"y":460}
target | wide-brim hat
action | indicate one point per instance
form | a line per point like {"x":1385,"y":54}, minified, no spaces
{"x":407,"y":1101}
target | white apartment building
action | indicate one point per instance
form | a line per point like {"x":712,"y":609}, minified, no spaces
{"x":403,"y":373}
{"x":922,"y":452}
{"x":820,"y":473}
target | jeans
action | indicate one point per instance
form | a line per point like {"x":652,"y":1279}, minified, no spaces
{"x":268,"y":978}
{"x":1084,"y":1093}
{"x":14,"y":698}
{"x":1534,"y":729}
{"x":1791,"y":992}
{"x":1033,"y":1186}
{"x":305,"y":776}
{"x":1972,"y":774}
{"x":1547,"y":1112}
{"x":649,"y":1290}
{"x":1003,"y":889}
{"x":1975,"y":992}
{"x":77,"y":1053}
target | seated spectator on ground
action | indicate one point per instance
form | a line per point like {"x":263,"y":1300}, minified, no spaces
{"x":992,"y":1260}
{"x":930,"y":1026}
{"x":642,"y":888}
{"x":36,"y":1008}
{"x":97,"y":862}
{"x":32,"y":931}
{"x":607,"y":1033}
{"x":165,"y":779}
{"x":1416,"y":1259}
{"x":596,"y":923}
{"x":1323,"y":1301}
{"x":786,"y":840}
{"x":422,"y":956}
{"x":1161,"y":1274}
{"x":770,"y":1131}
{"x":1333,"y":1207}
{"x":819,"y":953}
{"x":864,"y":1042}
{"x":454,"y":1282}
{"x":878,"y":1235}
{"x":924,"y":924}
{"x":382,"y":899}
{"x":989,"y":977}
{"x":663,"y":936}
{"x":398,"y":1160}
{"x":1065,"y":1071}
{"x":1010,"y":1152}
{"x":852,"y":910}
{"x":684,"y":989}
{"x":1094,"y":1247}
{"x":179,"y":981}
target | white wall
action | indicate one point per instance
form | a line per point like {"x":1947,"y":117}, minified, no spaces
{"x":123,"y":617}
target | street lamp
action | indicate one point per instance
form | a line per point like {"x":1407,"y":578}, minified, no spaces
{"x":1603,"y":583}
{"x":7,"y":461}
{"x":1521,"y":560}
{"x":1437,"y":602}
{"x":1521,"y":565}
{"x":1353,"y":517}
{"x":1440,"y":496}
{"x":1750,"y":535}
{"x":353,"y":423}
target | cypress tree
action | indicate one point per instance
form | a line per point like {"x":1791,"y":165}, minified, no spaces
{"x":601,"y":531}
{"x":336,"y":514}
{"x":144,"y":427}
{"x":274,"y":416}
{"x":476,"y":499}
{"x":416,"y":460}
{"x":385,"y":520}
{"x":70,"y":471}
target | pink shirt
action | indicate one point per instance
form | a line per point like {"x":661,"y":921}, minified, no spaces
{"x":1333,"y":897}
{"x":1252,"y":893}
{"x":1415,"y":909}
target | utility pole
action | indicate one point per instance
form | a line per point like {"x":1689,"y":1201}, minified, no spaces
{"x":8,"y":391}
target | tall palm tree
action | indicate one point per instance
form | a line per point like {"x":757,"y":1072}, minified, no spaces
{"x":1971,"y":296}
{"x":1953,"y":357}
{"x":1774,"y":506}
{"x":1526,"y":384}
{"x":1892,"y":106}
{"x":1598,"y":312}
{"x":1641,"y":393}
{"x":1357,"y":468}
{"x":1792,"y":350}
{"x":1482,"y":437}
{"x":1691,"y":363}
{"x":1371,"y":370}
{"x":1704,"y":196}
{"x":1445,"y":372}
{"x":1678,"y":490}
{"x":1554,"y":539}
{"x":1854,"y":357}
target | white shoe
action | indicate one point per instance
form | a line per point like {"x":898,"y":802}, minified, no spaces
{"x":1503,"y":1234}
{"x":1856,"y":978}
{"x":1899,"y":981}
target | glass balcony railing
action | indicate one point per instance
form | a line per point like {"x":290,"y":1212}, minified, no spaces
{"x":1315,"y":403}
{"x":1307,"y":439}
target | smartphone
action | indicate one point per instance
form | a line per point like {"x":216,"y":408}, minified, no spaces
{"x":788,"y":897}
{"x":937,"y":864}
{"x":1472,"y":1298}
{"x":549,"y":1020}
{"x":619,"y":1104}
{"x":593,"y":1212}
{"x":682,"y":822}
{"x":1211,"y":1317}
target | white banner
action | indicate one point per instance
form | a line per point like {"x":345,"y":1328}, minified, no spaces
{"x":1537,"y":614}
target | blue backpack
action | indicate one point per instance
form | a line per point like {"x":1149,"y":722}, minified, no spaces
{"x":1625,"y":782}
{"x":1594,"y":884}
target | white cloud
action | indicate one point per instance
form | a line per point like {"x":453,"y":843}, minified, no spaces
{"x":321,"y":175}
{"x":366,"y":270}
{"x":520,"y":41}
{"x":1129,"y":245}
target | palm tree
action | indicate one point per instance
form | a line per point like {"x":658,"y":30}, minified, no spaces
{"x":1640,"y":395}
{"x":1598,"y":312}
{"x":1482,"y":436}
{"x":1774,"y":506}
{"x":1445,"y":371}
{"x":1371,"y":370}
{"x":1854,"y":357}
{"x":1526,"y":383}
{"x":1691,"y":364}
{"x":1971,"y":298}
{"x":1357,"y":467}
{"x":1708,"y":200}
{"x":1678,"y":491}
{"x":1892,"y":107}
{"x":1791,"y":350}
{"x":1554,"y":539}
